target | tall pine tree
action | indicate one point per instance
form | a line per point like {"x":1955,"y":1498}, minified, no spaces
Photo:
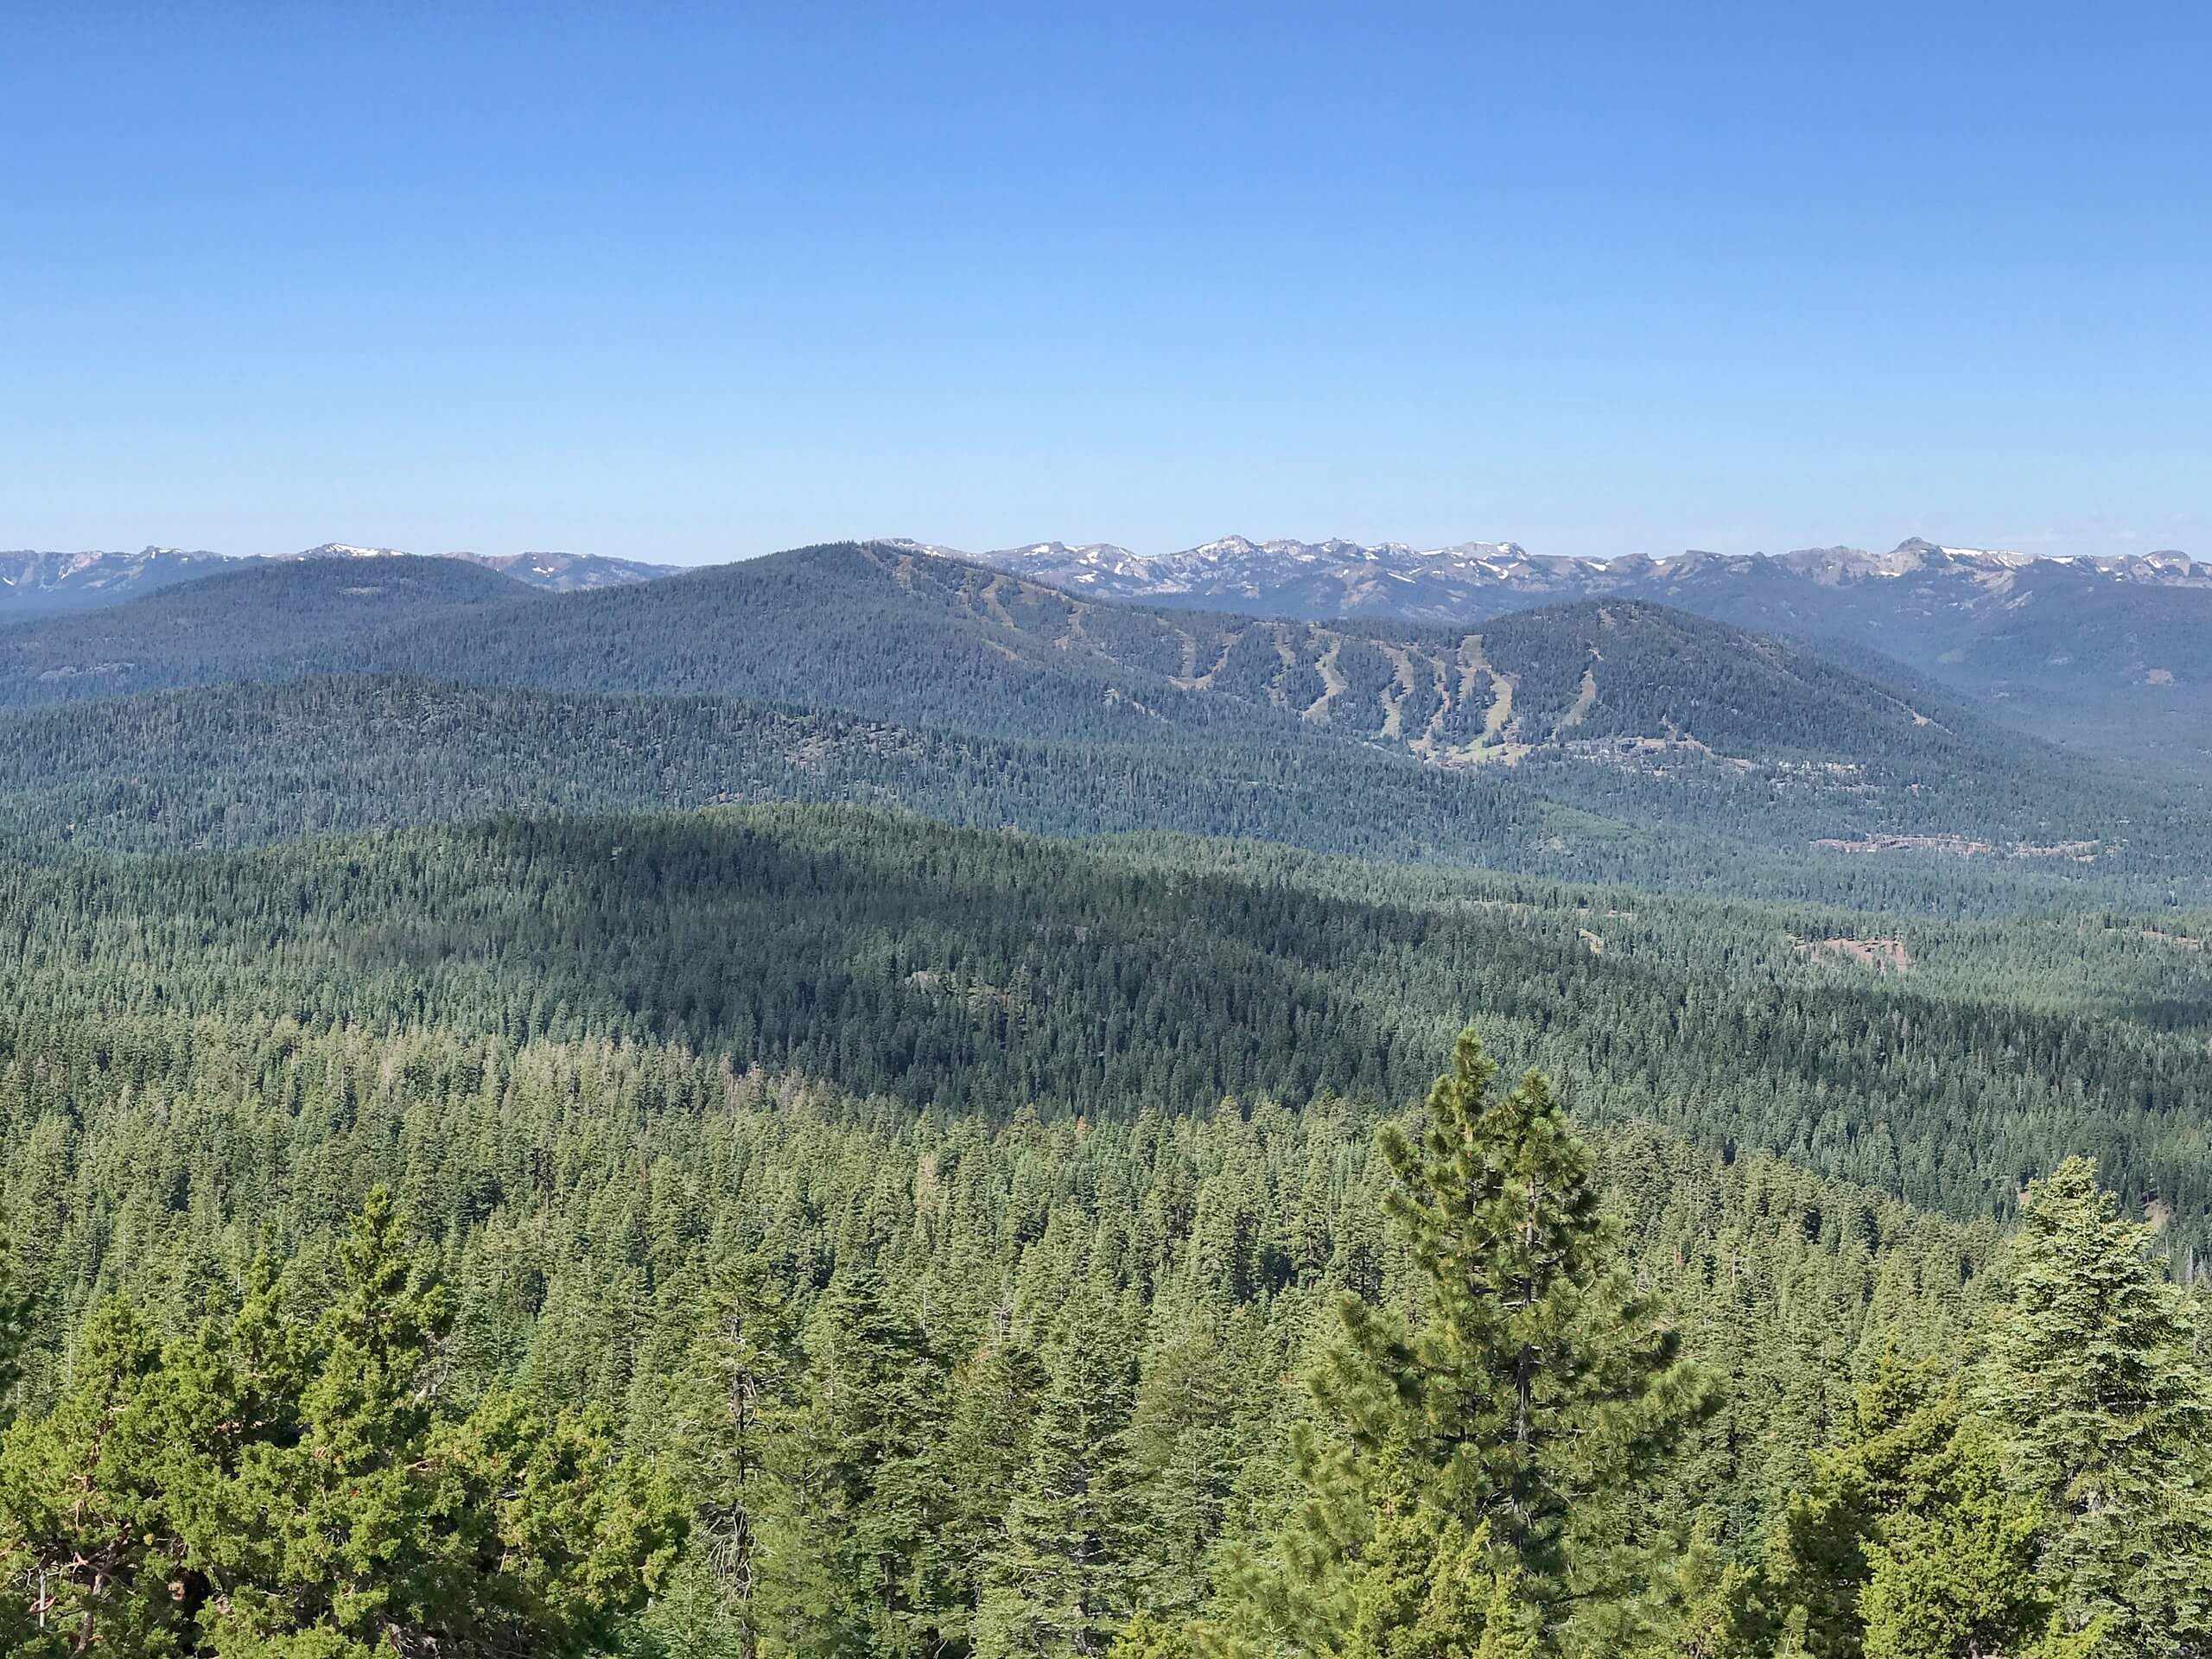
{"x":1477,"y":1491}
{"x":1069,"y":1572}
{"x":728,"y":1415}
{"x":870,"y":1498}
{"x":2094,"y":1373}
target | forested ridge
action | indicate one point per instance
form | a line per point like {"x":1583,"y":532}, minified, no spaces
{"x":990,"y":971}
{"x":1609,"y":742}
{"x":961,"y":640}
{"x":238,"y":765}
{"x":241,"y":765}
{"x":859,"y":1106}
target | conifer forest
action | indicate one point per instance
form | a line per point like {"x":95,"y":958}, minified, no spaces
{"x":601,"y":1125}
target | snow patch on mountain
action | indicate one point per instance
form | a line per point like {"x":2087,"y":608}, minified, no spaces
{"x":1338,"y":577}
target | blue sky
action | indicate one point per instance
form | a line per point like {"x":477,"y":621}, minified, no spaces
{"x":692,"y":283}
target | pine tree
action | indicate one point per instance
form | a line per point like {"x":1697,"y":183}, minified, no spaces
{"x":987,"y":1449}
{"x":2093,"y":1373}
{"x":1186,"y":1430}
{"x":689,"y":1619}
{"x":1818,"y":1558}
{"x":1069,"y":1572}
{"x":86,"y":1542}
{"x":272,"y":1486}
{"x":16,"y":1306}
{"x":728,"y":1415}
{"x":353,"y":1513}
{"x":869,"y":1500}
{"x":1907,"y":1545}
{"x":1478,"y":1483}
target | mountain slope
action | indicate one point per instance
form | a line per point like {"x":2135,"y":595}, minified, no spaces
{"x":2105,"y":653}
{"x":261,"y":620}
{"x":1628,"y":718}
{"x":34,"y":583}
{"x":2102,"y":653}
{"x":911,"y":636}
{"x":906,"y":634}
{"x":243,"y":765}
{"x":873,"y":630}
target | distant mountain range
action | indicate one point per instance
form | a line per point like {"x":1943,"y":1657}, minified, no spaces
{"x":2105,"y":653}
{"x":1575,"y":737}
{"x":1317,"y":580}
{"x":1337,"y":579}
{"x":2109,"y":653}
{"x":33,"y":583}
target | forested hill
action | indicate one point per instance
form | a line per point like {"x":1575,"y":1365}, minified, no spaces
{"x":260,"y":621}
{"x":908,"y":636}
{"x":965,"y":969}
{"x":1644,"y":718}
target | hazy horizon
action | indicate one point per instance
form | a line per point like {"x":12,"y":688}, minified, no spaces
{"x":1876,"y":545}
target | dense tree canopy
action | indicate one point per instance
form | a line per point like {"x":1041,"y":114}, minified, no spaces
{"x":765,"y":1370}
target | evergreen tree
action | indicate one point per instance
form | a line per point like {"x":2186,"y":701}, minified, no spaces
{"x":16,"y":1306}
{"x":1951,"y":1572}
{"x":750,"y":1364}
{"x":689,"y":1618}
{"x":86,"y":1537}
{"x":272,"y":1487}
{"x":869,"y":1499}
{"x":728,"y":1418}
{"x":1071,"y":1567}
{"x":1479,"y":1486}
{"x":1151,"y":1635}
{"x":988,"y":1451}
{"x":348,"y":1525}
{"x":1907,"y":1545}
{"x":2094,"y":1373}
{"x":1187,"y":1431}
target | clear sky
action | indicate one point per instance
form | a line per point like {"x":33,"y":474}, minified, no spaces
{"x":691,"y":283}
